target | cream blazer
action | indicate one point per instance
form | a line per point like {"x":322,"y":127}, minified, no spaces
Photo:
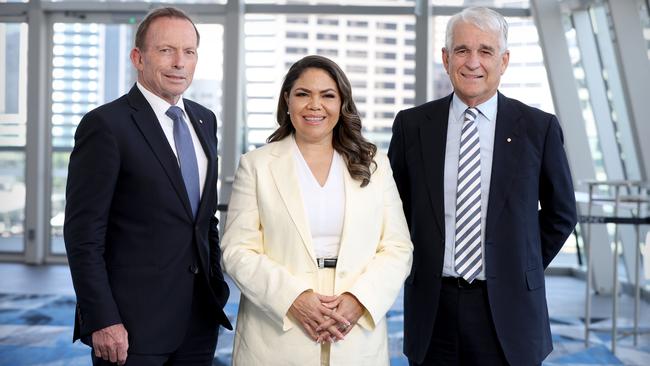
{"x":267,"y":250}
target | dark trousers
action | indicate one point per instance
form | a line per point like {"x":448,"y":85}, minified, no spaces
{"x":200,"y":341}
{"x":464,"y":332}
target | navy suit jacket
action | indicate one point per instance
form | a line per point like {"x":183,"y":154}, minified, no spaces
{"x":133,"y":245}
{"x":529,"y":166}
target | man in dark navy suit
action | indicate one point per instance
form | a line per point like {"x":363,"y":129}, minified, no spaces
{"x":488,"y":196}
{"x":140,"y":228}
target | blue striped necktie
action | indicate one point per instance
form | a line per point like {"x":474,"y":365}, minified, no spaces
{"x":468,"y":258}
{"x":186,"y":156}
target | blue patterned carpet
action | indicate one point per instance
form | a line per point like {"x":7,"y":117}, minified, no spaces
{"x":37,"y":329}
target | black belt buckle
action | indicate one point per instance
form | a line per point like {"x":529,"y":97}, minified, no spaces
{"x":326,"y":262}
{"x":462,"y":283}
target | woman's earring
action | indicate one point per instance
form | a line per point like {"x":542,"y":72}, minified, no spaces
{"x":288,"y":113}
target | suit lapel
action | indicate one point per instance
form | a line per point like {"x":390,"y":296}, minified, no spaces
{"x":284,"y":174}
{"x":433,"y":141}
{"x":146,"y":121}
{"x":508,"y":144}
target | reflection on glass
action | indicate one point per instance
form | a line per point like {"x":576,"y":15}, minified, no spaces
{"x":91,"y":67}
{"x":376,"y":52}
{"x":12,"y":201}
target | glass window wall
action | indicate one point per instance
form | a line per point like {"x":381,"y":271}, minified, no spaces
{"x":91,"y":66}
{"x":357,"y":43}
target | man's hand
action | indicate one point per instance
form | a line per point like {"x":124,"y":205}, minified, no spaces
{"x":111,"y":343}
{"x":309,"y":311}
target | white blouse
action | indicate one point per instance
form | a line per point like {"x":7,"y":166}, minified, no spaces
{"x":324,"y":206}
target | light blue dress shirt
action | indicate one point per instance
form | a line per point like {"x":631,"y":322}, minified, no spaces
{"x":486,"y":123}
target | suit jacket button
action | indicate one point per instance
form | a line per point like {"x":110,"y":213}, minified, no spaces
{"x":194,"y":268}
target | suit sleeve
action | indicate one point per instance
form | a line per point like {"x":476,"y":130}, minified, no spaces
{"x":397,"y":157}
{"x":92,"y":176}
{"x":557,"y":217}
{"x":380,"y":283}
{"x":216,"y":274}
{"x":264,"y":282}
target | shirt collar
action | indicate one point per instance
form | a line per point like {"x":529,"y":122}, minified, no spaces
{"x":158,"y":104}
{"x":488,"y":108}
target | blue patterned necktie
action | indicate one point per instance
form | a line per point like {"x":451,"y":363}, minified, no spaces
{"x":186,"y":156}
{"x":468,"y":258}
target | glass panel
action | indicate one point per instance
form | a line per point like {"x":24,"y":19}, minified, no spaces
{"x":644,"y":12}
{"x":335,"y":2}
{"x":206,"y":88}
{"x":59,"y":175}
{"x":13,"y":116}
{"x":602,"y":29}
{"x":150,"y":1}
{"x":376,"y":52}
{"x":583,"y":94}
{"x":12,"y":196}
{"x":91,"y":66}
{"x":490,"y":3}
{"x":525,"y":79}
{"x":13,"y":84}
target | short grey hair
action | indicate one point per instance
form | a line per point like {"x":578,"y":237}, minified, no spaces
{"x":484,"y":19}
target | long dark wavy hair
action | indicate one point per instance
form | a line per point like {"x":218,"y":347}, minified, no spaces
{"x":357,"y":152}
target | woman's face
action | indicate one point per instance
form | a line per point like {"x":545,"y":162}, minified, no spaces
{"x":314,"y":105}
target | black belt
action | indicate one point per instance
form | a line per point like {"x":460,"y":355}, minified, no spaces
{"x":326,"y":262}
{"x":460,"y":282}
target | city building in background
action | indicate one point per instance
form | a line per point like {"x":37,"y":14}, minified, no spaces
{"x":61,"y":59}
{"x":378,"y":56}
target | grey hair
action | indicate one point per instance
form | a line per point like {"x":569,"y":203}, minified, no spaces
{"x":484,"y":19}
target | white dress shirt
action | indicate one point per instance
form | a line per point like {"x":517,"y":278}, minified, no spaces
{"x":324,"y":206}
{"x":160,"y":107}
{"x":486,"y":124}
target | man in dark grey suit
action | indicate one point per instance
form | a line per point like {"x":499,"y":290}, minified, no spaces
{"x":471,"y":169}
{"x":140,"y":230}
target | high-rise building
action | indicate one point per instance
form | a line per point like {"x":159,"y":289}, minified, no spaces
{"x":378,"y":55}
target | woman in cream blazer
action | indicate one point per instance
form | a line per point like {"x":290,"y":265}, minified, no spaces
{"x":268,"y":248}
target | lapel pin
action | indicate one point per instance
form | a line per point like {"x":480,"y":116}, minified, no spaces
{"x":200,"y":121}
{"x":509,"y":139}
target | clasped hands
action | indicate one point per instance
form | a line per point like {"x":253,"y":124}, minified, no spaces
{"x":326,"y":318}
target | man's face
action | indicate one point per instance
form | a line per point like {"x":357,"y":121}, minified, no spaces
{"x":474,"y":63}
{"x":167,"y":61}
